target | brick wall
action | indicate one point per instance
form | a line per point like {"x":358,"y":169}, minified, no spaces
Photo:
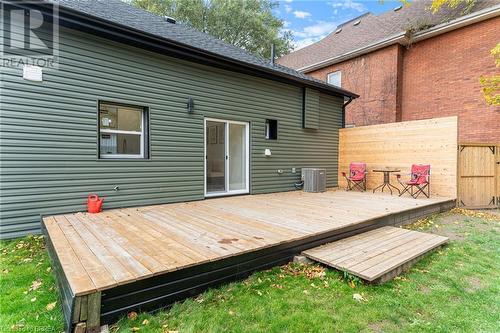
{"x":437,"y":77}
{"x":374,"y":77}
{"x":441,"y":78}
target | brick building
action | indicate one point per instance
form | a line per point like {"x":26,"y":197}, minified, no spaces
{"x":410,"y":64}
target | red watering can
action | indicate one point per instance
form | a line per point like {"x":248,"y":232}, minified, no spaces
{"x":94,"y":203}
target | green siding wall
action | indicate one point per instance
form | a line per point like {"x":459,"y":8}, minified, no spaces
{"x":49,"y":140}
{"x":311,"y":108}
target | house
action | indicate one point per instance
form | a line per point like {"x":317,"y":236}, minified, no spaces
{"x":410,"y":64}
{"x":142,"y":110}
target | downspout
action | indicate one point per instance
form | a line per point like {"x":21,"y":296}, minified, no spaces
{"x":346,"y":103}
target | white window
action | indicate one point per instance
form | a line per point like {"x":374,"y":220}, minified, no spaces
{"x":335,"y":78}
{"x":121,"y":131}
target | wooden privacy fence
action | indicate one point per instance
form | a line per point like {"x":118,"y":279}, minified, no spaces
{"x":399,"y":145}
{"x":479,"y":175}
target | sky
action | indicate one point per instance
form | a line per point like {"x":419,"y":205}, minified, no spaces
{"x":312,"y":20}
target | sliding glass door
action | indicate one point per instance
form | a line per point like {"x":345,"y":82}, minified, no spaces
{"x":226,"y":157}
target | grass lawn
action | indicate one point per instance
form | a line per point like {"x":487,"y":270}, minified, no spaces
{"x":455,"y":289}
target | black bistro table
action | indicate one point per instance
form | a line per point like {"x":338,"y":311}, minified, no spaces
{"x":387,"y":181}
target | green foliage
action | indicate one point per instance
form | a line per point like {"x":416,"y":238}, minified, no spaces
{"x":248,"y":24}
{"x":29,"y":300}
{"x":352,"y":280}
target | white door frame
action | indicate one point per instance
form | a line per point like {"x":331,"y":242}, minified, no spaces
{"x":246,"y":190}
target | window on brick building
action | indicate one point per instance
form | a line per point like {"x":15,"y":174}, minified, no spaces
{"x":335,"y":78}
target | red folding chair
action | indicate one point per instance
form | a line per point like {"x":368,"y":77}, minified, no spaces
{"x":357,"y":176}
{"x":419,"y":181}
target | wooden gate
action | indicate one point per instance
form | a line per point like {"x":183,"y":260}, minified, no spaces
{"x":479,"y":175}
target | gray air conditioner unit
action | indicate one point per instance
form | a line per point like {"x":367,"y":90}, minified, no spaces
{"x":314,"y":179}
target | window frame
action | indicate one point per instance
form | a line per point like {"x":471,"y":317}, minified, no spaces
{"x":267,"y":129}
{"x":144,"y":134}
{"x":331,"y":74}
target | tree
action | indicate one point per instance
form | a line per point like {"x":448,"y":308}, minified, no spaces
{"x":249,"y":24}
{"x":490,"y":84}
{"x":438,"y":4}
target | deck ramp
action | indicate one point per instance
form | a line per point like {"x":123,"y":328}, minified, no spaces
{"x":377,"y":255}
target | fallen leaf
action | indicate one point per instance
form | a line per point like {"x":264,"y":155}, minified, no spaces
{"x":231,"y":313}
{"x":16,"y":326}
{"x":132,"y":315}
{"x":51,"y":306}
{"x":358,"y":297}
{"x":33,"y":299}
{"x":49,"y":269}
{"x":352,"y":284}
{"x":173,"y":331}
{"x":135,"y":329}
{"x":114,"y":328}
{"x":35,"y":285}
{"x":145,"y":322}
{"x":259,"y":292}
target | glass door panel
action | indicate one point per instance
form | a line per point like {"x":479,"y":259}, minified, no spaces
{"x":215,"y":156}
{"x":237,"y":157}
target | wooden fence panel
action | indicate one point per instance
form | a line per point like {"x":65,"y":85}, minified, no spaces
{"x":478,"y":175}
{"x":399,"y":145}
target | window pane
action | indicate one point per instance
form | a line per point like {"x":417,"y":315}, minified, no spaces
{"x":120,"y":118}
{"x":108,"y":116}
{"x":124,"y":144}
{"x":237,"y":157}
{"x":335,"y":79}
{"x":216,"y":156}
{"x":271,"y":129}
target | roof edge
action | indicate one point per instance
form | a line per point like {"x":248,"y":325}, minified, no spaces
{"x":402,"y":39}
{"x":77,"y":18}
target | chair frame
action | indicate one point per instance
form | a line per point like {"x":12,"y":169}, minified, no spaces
{"x":424,"y":188}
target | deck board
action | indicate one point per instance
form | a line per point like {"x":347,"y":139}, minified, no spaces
{"x":118,"y":246}
{"x":375,"y":253}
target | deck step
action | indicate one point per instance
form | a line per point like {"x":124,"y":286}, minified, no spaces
{"x":377,"y":255}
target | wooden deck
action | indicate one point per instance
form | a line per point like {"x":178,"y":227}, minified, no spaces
{"x":113,"y":251}
{"x":377,"y":253}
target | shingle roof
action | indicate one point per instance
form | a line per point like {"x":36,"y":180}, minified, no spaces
{"x":125,"y":15}
{"x":373,"y":28}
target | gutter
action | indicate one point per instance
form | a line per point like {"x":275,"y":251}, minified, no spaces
{"x":403,"y":39}
{"x":346,"y":103}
